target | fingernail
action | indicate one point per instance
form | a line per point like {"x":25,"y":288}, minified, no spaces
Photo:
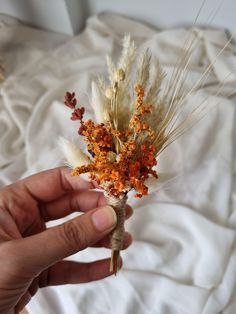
{"x":104,"y":218}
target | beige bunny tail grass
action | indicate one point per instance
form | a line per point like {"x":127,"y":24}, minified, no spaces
{"x":74,"y":156}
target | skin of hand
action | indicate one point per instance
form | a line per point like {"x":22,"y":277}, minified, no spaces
{"x":31,"y":255}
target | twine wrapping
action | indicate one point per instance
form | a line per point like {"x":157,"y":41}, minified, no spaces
{"x":118,"y":233}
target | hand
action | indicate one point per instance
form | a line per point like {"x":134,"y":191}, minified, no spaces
{"x":31,"y":255}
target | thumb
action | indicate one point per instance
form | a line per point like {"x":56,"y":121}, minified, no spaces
{"x":44,"y":249}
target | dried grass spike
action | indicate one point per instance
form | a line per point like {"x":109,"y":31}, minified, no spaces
{"x":143,"y":71}
{"x":155,"y":86}
{"x":98,"y":102}
{"x":127,"y":55}
{"x":111,"y":69}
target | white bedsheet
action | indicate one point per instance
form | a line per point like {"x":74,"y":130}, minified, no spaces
{"x":183,"y":259}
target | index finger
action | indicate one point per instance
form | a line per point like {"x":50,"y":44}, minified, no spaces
{"x":51,"y":184}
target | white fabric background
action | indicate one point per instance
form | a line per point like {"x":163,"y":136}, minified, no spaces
{"x":183,"y":259}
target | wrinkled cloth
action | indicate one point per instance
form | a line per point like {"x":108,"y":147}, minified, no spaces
{"x":183,"y":259}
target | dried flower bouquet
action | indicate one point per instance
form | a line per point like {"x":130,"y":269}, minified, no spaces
{"x":136,"y":119}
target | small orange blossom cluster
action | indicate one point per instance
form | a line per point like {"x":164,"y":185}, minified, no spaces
{"x":118,"y":172}
{"x":136,"y":122}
